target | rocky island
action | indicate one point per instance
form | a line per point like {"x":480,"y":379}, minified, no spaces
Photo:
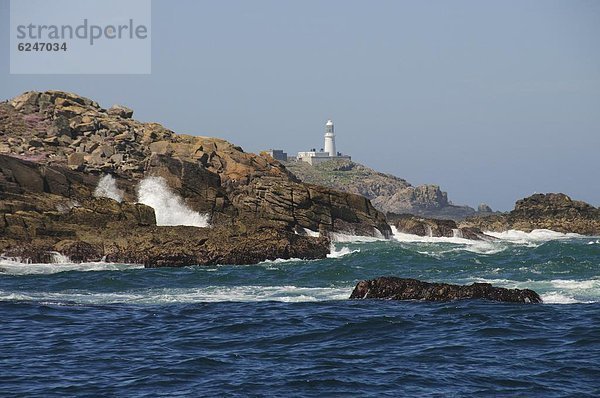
{"x":553,"y":211}
{"x":57,"y":150}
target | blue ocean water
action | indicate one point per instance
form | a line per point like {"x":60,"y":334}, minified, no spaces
{"x":286,"y":328}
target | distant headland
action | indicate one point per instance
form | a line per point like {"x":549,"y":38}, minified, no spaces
{"x":388,"y":193}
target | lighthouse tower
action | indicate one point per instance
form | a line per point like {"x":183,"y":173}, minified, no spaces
{"x":329,"y":139}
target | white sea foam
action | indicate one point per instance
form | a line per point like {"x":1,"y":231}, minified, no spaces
{"x":346,"y":238}
{"x":533,"y":238}
{"x":333,"y":253}
{"x":58,"y":258}
{"x":557,"y":291}
{"x":344,"y":251}
{"x":558,"y":298}
{"x":502,"y":242}
{"x":481,"y":247}
{"x":576,"y":285}
{"x":409,"y":238}
{"x":282,"y":261}
{"x":107,"y":188}
{"x":475,"y":246}
{"x":13,"y":266}
{"x":187,"y":295}
{"x":377,"y":233}
{"x":310,"y":232}
{"x":169,"y":208}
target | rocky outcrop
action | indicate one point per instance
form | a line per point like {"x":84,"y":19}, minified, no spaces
{"x":55,"y":146}
{"x":393,"y":288}
{"x":388,"y":193}
{"x":484,"y":208}
{"x":48,"y":209}
{"x":409,"y":224}
{"x":554,"y":211}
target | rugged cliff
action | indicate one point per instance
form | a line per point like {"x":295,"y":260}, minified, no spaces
{"x":56,"y":146}
{"x":388,"y":193}
{"x":554,"y":211}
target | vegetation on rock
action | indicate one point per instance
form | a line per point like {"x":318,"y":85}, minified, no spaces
{"x":388,"y":193}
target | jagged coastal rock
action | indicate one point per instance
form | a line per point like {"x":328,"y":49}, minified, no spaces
{"x":393,"y":288}
{"x":55,"y":147}
{"x":409,"y":224}
{"x":553,"y":211}
{"x":388,"y":193}
{"x":49,"y":208}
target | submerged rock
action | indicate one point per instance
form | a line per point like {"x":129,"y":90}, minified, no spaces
{"x":393,"y":288}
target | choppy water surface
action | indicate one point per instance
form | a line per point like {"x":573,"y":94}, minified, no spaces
{"x":285,"y":327}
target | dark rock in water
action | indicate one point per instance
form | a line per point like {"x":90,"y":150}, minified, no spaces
{"x":393,"y":288}
{"x":554,"y":211}
{"x":474,"y":233}
{"x":415,"y":225}
{"x":421,"y":226}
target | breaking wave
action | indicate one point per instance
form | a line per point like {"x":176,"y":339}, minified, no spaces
{"x":346,"y":238}
{"x":60,"y":263}
{"x":169,"y":208}
{"x":462,"y":244}
{"x":344,"y":251}
{"x":533,"y":238}
{"x":310,"y":232}
{"x":503,"y":240}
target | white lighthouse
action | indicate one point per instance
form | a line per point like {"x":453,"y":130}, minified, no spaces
{"x":327,"y":153}
{"x":329,"y":139}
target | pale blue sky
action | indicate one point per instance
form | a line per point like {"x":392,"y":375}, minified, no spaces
{"x":491,"y":100}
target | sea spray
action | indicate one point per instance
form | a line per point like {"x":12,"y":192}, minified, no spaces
{"x":310,"y":232}
{"x":533,"y":238}
{"x":344,"y":251}
{"x":429,"y":231}
{"x":107,"y":188}
{"x":169,"y":208}
{"x":346,"y":238}
{"x":58,"y":258}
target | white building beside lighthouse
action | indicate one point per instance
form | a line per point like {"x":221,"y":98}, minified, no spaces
{"x":328,"y":152}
